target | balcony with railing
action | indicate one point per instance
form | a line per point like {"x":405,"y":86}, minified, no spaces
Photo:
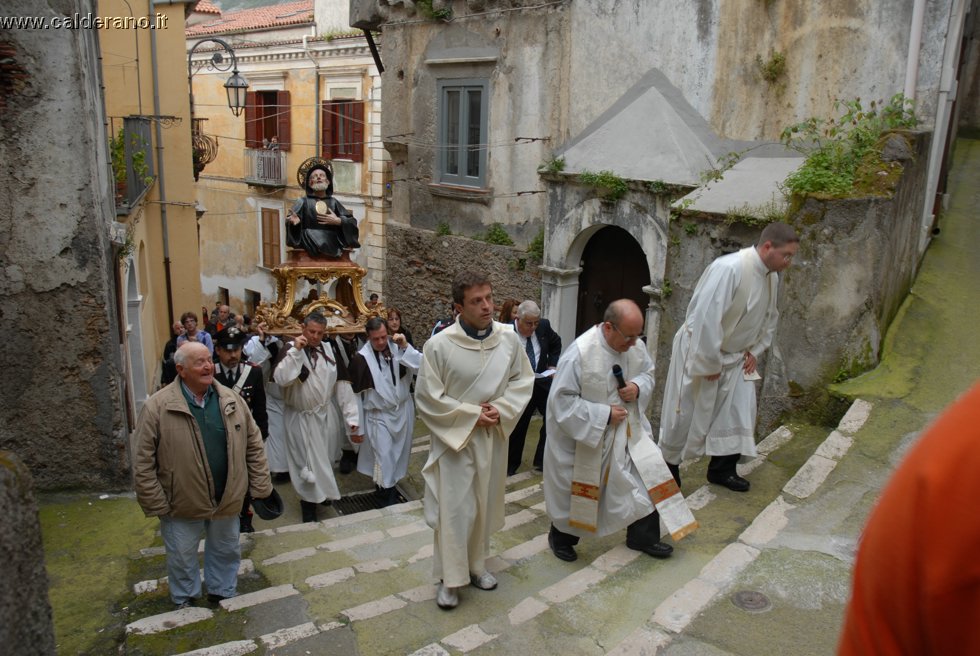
{"x":265,"y":167}
{"x":132,"y":160}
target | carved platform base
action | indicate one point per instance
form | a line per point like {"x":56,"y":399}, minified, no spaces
{"x":346,"y":313}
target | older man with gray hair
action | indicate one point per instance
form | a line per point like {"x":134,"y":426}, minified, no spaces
{"x":543,"y":346}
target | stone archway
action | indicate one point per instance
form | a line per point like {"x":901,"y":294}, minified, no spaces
{"x":613,"y":266}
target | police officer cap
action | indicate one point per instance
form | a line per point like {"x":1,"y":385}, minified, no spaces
{"x":230,"y":338}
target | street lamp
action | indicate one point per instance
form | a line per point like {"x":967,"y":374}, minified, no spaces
{"x":236,"y":86}
{"x":205,"y":147}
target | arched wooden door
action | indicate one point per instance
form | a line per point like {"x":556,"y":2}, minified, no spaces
{"x":613,"y":266}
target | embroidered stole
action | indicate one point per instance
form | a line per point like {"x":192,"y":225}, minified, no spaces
{"x":588,"y":479}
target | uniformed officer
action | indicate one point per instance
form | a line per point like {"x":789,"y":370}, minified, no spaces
{"x":246,"y":379}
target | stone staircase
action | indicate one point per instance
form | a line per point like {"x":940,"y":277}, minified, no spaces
{"x":363,"y":583}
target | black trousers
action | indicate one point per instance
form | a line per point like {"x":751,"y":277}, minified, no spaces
{"x":644,"y":531}
{"x":515,"y":446}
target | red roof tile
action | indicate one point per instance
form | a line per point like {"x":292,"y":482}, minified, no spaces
{"x":206,"y":7}
{"x":287,"y":13}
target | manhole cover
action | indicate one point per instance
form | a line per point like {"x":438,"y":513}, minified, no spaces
{"x":752,"y":601}
{"x":356,"y":503}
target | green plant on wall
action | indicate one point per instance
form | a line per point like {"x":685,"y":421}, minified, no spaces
{"x":553,"y":166}
{"x":425,"y":8}
{"x":496,"y":234}
{"x":843,"y":152}
{"x":443,"y":229}
{"x":536,"y":248}
{"x":772,"y":69}
{"x":611,"y":186}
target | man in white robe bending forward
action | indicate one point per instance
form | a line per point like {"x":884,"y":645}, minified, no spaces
{"x":602,"y":470}
{"x":709,"y":399}
{"x":474,"y":383}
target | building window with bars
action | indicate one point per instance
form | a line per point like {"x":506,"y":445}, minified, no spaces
{"x":462,"y":142}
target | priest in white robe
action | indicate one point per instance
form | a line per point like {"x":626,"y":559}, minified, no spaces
{"x":709,"y":399}
{"x":383,"y":370}
{"x":474,"y":383}
{"x":307,"y":375}
{"x":602,"y":470}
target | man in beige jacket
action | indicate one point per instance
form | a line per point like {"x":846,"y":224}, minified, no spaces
{"x":198,"y":451}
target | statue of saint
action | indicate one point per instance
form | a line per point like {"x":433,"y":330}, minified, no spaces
{"x":318,"y":223}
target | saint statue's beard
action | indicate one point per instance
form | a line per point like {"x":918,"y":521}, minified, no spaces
{"x":320,"y":186}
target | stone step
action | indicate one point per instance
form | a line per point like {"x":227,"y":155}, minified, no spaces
{"x":364,"y":581}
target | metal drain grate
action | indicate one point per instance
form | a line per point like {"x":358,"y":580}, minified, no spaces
{"x":361,"y":502}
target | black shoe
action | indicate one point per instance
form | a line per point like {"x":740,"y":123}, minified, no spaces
{"x":245,"y":524}
{"x":308,"y":509}
{"x":657,"y":550}
{"x":733,"y":482}
{"x":348,"y":461}
{"x":213,"y":598}
{"x":326,"y":502}
{"x":187,"y":603}
{"x":511,"y":472}
{"x":562,"y":552}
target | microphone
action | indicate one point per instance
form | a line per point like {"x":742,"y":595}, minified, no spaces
{"x":618,"y":373}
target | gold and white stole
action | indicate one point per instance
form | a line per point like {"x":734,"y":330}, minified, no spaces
{"x":587,"y":478}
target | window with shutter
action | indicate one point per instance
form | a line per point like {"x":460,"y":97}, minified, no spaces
{"x":270,"y":237}
{"x":462,"y":142}
{"x":343,"y":129}
{"x":267,"y":115}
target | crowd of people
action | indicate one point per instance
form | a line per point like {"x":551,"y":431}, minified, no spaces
{"x":242,"y":409}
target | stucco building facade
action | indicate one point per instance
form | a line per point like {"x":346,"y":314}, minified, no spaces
{"x":314,"y":87}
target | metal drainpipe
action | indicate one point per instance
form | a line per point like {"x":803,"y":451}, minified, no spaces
{"x":161,"y":178}
{"x":316,"y":110}
{"x":915,"y":44}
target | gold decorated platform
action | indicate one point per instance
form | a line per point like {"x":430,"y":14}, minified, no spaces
{"x":345,"y":312}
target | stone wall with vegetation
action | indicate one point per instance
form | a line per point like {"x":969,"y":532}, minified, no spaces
{"x":857,"y":261}
{"x":420,"y":266}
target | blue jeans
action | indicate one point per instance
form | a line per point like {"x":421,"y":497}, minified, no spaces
{"x":221,"y":556}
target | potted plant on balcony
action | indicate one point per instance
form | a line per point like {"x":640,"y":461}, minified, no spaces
{"x":117,"y":152}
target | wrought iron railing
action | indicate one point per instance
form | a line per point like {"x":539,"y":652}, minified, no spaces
{"x":265,"y":167}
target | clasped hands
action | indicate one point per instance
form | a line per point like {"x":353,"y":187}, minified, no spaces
{"x":489,"y":415}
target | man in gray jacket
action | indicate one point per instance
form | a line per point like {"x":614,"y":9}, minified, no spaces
{"x":198,"y":451}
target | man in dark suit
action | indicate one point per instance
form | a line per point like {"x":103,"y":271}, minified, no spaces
{"x":543,"y":346}
{"x":246,"y":379}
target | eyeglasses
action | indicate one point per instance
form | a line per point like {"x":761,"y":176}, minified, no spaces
{"x":628,"y":338}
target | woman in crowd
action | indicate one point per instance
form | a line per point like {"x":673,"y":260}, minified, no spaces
{"x":395,"y":324}
{"x":508,"y":311}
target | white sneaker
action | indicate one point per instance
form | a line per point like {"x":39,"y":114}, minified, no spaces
{"x":485,"y":581}
{"x":446,"y":597}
